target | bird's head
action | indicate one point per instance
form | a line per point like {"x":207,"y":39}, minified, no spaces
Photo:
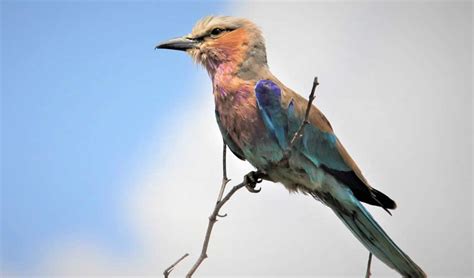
{"x":223,"y":41}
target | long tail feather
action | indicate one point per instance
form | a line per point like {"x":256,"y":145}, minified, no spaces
{"x":368,"y":232}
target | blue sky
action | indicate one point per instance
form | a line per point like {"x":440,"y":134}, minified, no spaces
{"x":82,"y":94}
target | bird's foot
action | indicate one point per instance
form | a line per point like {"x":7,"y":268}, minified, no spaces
{"x":251,"y":180}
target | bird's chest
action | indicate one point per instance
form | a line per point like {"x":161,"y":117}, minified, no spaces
{"x":240,"y":119}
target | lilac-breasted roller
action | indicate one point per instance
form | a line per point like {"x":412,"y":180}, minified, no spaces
{"x":258,"y":116}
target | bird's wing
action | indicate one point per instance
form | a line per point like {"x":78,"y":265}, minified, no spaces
{"x":268,"y":96}
{"x":283,"y":112}
{"x":228,"y":140}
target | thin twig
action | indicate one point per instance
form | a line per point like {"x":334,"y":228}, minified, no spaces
{"x":299,"y":132}
{"x":225,"y":180}
{"x":167,"y":271}
{"x":224,"y":160}
{"x":367,"y":273}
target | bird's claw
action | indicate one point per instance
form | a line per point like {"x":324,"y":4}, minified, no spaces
{"x":252,"y":189}
{"x":251,"y":180}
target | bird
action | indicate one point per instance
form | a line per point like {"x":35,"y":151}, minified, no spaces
{"x":258,"y":116}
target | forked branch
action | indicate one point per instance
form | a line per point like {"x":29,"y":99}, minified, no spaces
{"x":250,"y":181}
{"x":167,"y":271}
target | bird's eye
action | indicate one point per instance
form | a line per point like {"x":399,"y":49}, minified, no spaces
{"x":216,"y":32}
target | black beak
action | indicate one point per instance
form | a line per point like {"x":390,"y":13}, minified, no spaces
{"x":182,"y":44}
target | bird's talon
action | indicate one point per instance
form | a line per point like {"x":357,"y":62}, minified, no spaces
{"x":253,"y":190}
{"x":251,"y":180}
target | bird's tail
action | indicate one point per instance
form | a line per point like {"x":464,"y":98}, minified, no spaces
{"x":368,"y":232}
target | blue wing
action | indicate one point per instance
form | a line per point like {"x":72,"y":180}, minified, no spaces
{"x":282,"y":123}
{"x":320,"y":147}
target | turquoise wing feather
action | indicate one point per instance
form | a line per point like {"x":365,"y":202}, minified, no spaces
{"x":364,"y":227}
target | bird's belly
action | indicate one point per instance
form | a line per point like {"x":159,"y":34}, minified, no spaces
{"x":295,"y":172}
{"x":263,"y":153}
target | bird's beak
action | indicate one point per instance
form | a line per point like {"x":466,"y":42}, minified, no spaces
{"x":182,"y":44}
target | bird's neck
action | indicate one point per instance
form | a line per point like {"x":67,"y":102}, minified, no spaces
{"x":241,"y":65}
{"x":232,"y":78}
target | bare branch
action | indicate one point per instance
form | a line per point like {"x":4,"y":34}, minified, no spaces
{"x":367,"y":274}
{"x":213,"y":220}
{"x":167,"y":271}
{"x":299,"y":133}
{"x":250,"y":181}
{"x":256,"y":177}
{"x":225,"y":180}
